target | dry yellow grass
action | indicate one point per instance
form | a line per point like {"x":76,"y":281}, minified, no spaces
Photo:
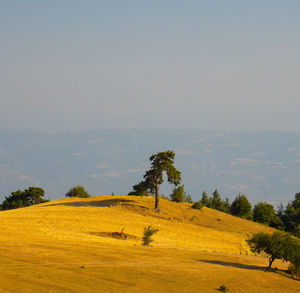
{"x":54,"y":247}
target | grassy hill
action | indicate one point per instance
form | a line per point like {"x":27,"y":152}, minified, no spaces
{"x":69,"y":245}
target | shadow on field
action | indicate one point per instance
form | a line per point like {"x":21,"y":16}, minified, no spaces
{"x":250,"y":267}
{"x":95,"y":203}
{"x":233,"y":264}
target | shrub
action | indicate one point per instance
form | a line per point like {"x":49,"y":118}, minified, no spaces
{"x":148,"y":232}
{"x":223,"y":289}
{"x":198,"y":205}
{"x":77,"y":191}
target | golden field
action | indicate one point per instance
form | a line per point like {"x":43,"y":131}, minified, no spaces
{"x":66,"y":246}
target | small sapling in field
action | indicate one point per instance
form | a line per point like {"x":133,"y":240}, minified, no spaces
{"x":223,"y":289}
{"x":148,"y":232}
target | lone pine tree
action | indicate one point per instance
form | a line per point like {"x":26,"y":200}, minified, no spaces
{"x":161,"y":162}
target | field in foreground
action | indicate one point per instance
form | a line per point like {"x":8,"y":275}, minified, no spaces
{"x":67,"y":246}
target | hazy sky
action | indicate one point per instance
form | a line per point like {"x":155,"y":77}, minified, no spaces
{"x":76,"y":65}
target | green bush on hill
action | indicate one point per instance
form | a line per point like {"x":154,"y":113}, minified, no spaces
{"x":77,"y":191}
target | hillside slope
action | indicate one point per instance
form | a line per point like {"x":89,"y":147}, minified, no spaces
{"x":68,"y":246}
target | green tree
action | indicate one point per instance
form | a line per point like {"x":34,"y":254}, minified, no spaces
{"x":187,"y":198}
{"x":264,"y":213}
{"x":77,"y":191}
{"x":161,"y":162}
{"x":205,"y":199}
{"x":241,"y":207}
{"x":226,"y":206}
{"x":28,"y":197}
{"x":140,"y":189}
{"x":279,"y":245}
{"x":216,"y":201}
{"x":291,"y":216}
{"x":179,"y":195}
{"x":34,"y":195}
{"x":295,"y":258}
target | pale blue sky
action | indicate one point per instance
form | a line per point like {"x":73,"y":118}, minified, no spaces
{"x":76,"y":65}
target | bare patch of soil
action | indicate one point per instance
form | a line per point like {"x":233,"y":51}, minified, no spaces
{"x":116,"y":235}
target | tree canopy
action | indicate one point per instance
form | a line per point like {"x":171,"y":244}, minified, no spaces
{"x":20,"y":198}
{"x":77,"y":191}
{"x":279,"y":245}
{"x":291,"y":216}
{"x":264,"y":213}
{"x":241,"y":207}
{"x":161,"y":162}
{"x":179,"y":195}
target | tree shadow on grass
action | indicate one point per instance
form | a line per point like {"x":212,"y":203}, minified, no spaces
{"x":249,"y":267}
{"x":233,"y":264}
{"x":94,"y":203}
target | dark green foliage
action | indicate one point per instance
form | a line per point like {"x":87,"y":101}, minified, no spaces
{"x":28,"y":197}
{"x":179,"y":195}
{"x":291,"y":216}
{"x":279,"y":245}
{"x":198,"y":205}
{"x":160,"y":163}
{"x":241,"y":207}
{"x":223,"y":289}
{"x":141,"y":188}
{"x":264,"y":213}
{"x":295,"y":259}
{"x":205,"y":199}
{"x":77,"y":191}
{"x":226,"y":206}
{"x":216,"y":201}
{"x":148,"y":232}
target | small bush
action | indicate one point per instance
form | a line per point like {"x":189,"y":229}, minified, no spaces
{"x":77,"y":191}
{"x":198,"y":205}
{"x":148,"y":232}
{"x":223,"y":289}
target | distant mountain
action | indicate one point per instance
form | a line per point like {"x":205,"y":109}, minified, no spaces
{"x":264,"y":165}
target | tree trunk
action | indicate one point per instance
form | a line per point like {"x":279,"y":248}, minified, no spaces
{"x":157,"y":209}
{"x":271,"y":259}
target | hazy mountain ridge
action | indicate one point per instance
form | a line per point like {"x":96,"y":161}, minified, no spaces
{"x":264,"y":165}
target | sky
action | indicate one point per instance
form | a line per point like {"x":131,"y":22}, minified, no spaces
{"x":73,"y":65}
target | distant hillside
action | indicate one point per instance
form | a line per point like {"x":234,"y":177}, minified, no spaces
{"x":74,"y":245}
{"x":264,"y":165}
